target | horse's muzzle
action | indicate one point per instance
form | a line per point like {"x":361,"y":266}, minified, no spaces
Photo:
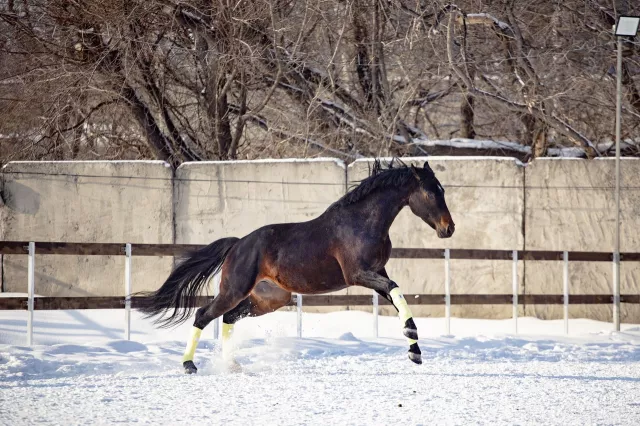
{"x":446,"y":230}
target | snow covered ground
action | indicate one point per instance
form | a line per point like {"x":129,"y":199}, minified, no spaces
{"x":80,"y":371}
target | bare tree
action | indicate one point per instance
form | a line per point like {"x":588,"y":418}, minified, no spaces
{"x":192,"y":80}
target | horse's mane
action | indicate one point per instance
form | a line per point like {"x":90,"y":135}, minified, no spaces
{"x":379,"y":177}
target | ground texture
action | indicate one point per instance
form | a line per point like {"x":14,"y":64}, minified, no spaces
{"x":81,"y":372}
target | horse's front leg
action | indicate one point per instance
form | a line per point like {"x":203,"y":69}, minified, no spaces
{"x":390,"y":290}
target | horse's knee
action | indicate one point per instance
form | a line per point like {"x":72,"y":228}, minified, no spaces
{"x":200,"y":319}
{"x":200,"y":312}
{"x":206,"y":314}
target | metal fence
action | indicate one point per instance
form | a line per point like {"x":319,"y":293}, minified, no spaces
{"x":32,"y":303}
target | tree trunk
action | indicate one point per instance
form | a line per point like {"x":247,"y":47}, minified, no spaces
{"x":535,"y":135}
{"x":223,"y":126}
{"x":160,"y":146}
{"x":467,"y":130}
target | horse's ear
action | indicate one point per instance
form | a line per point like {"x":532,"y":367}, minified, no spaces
{"x":426,"y":165}
{"x":415,"y":173}
{"x":377,"y":167}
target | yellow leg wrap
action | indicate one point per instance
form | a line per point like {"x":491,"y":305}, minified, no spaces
{"x":227,"y":332}
{"x":192,"y":344}
{"x":227,"y":349}
{"x":398,"y":300}
{"x":404,"y":313}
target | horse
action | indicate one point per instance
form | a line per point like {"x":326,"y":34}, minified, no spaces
{"x":347,"y":245}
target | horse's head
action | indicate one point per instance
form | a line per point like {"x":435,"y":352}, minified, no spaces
{"x":428,"y":203}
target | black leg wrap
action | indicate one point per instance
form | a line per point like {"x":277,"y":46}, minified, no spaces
{"x":410,"y":330}
{"x":189,"y":367}
{"x":414,"y":354}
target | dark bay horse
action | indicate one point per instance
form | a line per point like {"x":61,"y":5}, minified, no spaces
{"x":347,"y":245}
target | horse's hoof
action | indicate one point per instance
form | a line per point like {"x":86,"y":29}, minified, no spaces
{"x":417,"y":358}
{"x":234,"y":367}
{"x":189,"y":367}
{"x":414,"y":353}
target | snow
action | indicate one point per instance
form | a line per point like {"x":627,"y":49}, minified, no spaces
{"x":271,"y":160}
{"x":476,"y":144}
{"x":448,"y":158}
{"x":81,"y":371}
{"x":501,"y":24}
{"x":563,"y":152}
{"x":90,"y":162}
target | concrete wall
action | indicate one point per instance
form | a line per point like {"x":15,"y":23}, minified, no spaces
{"x":221,"y":199}
{"x":110,"y":202}
{"x":570,"y":205}
{"x":496,"y":203}
{"x":485,"y":198}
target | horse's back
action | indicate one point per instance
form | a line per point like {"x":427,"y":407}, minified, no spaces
{"x":297,"y":256}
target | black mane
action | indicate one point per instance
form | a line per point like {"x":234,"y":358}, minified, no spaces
{"x":381,"y":177}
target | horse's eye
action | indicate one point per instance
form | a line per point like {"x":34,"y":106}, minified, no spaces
{"x":430,"y":195}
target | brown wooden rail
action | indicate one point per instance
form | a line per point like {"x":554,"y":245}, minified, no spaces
{"x":117,"y":302}
{"x":117,"y":249}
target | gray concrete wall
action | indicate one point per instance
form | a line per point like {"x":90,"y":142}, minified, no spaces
{"x":103,"y":201}
{"x":218,"y":199}
{"x":485,"y":198}
{"x":570,"y":205}
{"x":496,"y":204}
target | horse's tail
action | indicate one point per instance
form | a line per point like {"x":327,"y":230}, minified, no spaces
{"x":185,"y":282}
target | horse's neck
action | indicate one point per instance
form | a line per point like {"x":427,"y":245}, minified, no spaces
{"x":379,"y":209}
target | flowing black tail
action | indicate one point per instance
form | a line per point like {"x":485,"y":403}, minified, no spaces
{"x":185,"y":282}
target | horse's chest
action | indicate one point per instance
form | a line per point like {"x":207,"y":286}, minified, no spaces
{"x":374,"y":252}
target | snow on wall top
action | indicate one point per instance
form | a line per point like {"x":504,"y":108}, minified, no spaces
{"x":270,"y":160}
{"x":89,"y":162}
{"x":445,"y":157}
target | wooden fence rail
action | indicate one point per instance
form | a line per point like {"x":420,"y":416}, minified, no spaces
{"x":118,"y":302}
{"x":116,"y":249}
{"x":33,"y":303}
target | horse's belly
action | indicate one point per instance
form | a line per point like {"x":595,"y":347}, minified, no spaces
{"x":309,"y":276}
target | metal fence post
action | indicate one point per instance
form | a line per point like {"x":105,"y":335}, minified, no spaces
{"x":31,"y":286}
{"x":127,"y":291}
{"x":514,"y":285}
{"x":565,"y":290}
{"x":216,"y":291}
{"x":447,"y":291}
{"x":299,"y":309}
{"x":616,"y":254}
{"x":375,"y":313}
{"x":616,"y":291}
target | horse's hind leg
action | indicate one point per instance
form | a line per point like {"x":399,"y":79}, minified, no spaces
{"x":235,"y":285}
{"x":266,"y":297}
